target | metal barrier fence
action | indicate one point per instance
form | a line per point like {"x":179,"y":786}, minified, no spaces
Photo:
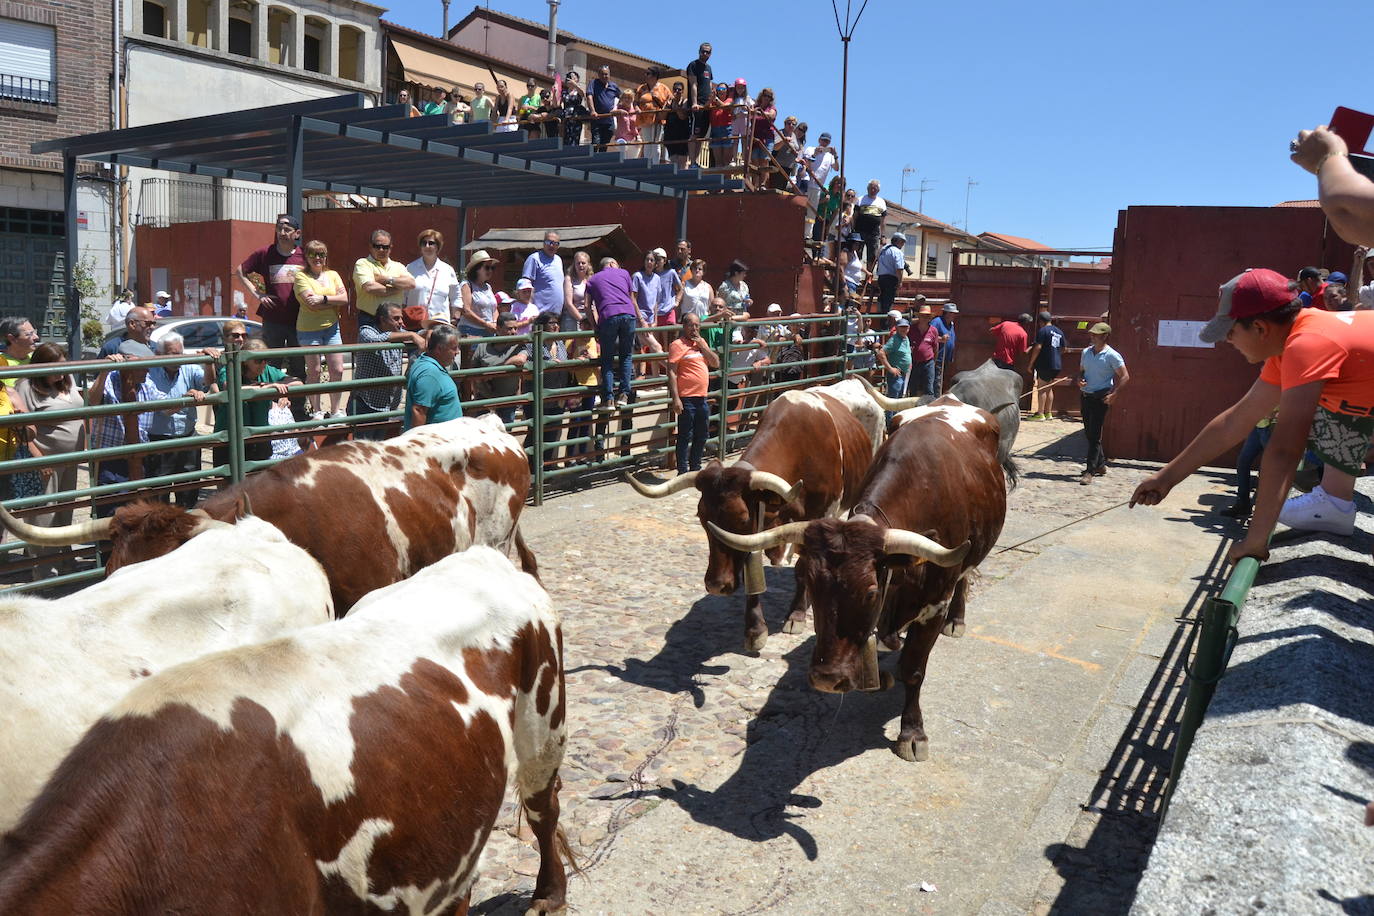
{"x":1216,"y":639}
{"x":596,"y":437}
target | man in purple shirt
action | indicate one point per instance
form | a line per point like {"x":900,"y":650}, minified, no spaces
{"x":925,"y":341}
{"x":269,"y":274}
{"x":544,"y":268}
{"x":609,"y":304}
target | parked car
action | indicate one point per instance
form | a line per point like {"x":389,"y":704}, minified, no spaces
{"x":198,"y":332}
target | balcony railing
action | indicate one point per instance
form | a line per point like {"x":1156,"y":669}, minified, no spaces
{"x":166,"y":202}
{"x":28,"y":89}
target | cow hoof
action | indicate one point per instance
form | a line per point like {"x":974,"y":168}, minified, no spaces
{"x":539,"y":907}
{"x":893,"y":641}
{"x":794,"y":625}
{"x":755,"y":642}
{"x":914,"y":751}
{"x":953,"y":628}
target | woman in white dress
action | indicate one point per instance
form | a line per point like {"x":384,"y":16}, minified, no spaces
{"x":697,"y":293}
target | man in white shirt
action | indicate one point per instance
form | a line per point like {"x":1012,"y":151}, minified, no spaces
{"x":1359,"y":293}
{"x":817,"y":163}
{"x":869,"y":214}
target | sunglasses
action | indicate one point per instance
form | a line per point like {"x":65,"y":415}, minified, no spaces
{"x":429,"y":243}
{"x":552,"y":242}
{"x":238,"y":334}
{"x":316,"y":256}
{"x":382,"y":247}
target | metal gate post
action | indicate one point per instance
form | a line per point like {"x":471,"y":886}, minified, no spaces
{"x":845,"y":369}
{"x":723,"y":423}
{"x":537,"y":412}
{"x":233,"y":387}
{"x":70,"y":253}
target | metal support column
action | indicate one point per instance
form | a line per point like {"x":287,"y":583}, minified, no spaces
{"x":462,"y":237}
{"x":682,"y":216}
{"x":536,"y":414}
{"x":70,"y":252}
{"x":295,"y":169}
{"x":233,"y":387}
{"x":723,"y":415}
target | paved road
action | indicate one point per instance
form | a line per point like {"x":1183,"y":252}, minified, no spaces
{"x":700,"y":779}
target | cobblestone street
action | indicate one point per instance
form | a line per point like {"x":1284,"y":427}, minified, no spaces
{"x":699,"y":778}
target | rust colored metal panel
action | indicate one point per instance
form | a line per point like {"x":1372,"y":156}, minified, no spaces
{"x":1078,"y":290}
{"x":983,"y":291}
{"x":1167,"y":266}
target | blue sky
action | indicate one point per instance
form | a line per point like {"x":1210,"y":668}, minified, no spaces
{"x":1064,"y":113}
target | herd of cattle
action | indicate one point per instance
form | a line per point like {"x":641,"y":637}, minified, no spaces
{"x":197,"y":732}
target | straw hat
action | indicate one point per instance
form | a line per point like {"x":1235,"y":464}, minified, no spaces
{"x":479,"y":256}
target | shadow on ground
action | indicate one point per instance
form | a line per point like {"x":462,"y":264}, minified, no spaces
{"x":796,"y":733}
{"x":1105,"y":855}
{"x":713,"y":627}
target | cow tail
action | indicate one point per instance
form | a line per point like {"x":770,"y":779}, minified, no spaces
{"x":528,"y":563}
{"x":1013,"y":473}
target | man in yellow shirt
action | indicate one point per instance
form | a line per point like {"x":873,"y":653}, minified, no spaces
{"x":378,"y":279}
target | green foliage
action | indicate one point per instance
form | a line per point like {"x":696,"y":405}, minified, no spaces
{"x":88,"y":290}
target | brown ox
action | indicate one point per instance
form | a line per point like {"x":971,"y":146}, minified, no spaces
{"x":371,"y":513}
{"x":805,"y":461}
{"x":873,"y":575}
{"x":356,"y":766}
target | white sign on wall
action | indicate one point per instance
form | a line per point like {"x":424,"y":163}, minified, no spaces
{"x":1182,"y":334}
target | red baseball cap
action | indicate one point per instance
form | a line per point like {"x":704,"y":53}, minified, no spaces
{"x":1246,"y":295}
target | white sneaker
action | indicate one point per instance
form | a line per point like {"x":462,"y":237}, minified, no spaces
{"x":1316,"y":512}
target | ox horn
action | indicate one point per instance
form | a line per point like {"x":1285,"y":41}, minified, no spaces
{"x":97,"y":529}
{"x":660,"y":490}
{"x":772,"y":483}
{"x":899,"y":540}
{"x":791,"y":533}
{"x":204,"y":522}
{"x":896,"y":405}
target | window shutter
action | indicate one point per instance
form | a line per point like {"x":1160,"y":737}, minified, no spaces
{"x":27,"y":61}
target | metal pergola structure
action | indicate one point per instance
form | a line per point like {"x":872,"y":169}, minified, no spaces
{"x":337,"y":145}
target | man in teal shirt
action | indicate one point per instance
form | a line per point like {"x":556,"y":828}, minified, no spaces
{"x":431,"y":395}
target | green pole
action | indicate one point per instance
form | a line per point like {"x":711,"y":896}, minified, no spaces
{"x":537,"y":426}
{"x":845,"y":369}
{"x":723,"y":424}
{"x":233,"y":379}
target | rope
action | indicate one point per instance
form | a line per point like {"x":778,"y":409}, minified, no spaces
{"x":1065,"y":525}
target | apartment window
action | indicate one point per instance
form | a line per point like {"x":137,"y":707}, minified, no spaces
{"x":279,"y":23}
{"x":311,"y":52}
{"x":32,"y":222}
{"x":350,"y":46}
{"x":198,"y":23}
{"x":240,"y":37}
{"x":27,"y":62}
{"x":154,"y":19}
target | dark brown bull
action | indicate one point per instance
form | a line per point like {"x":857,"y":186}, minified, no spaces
{"x":371,"y":513}
{"x":805,"y":461}
{"x":936,"y":481}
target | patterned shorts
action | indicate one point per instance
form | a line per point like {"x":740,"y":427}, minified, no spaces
{"x":1341,"y":440}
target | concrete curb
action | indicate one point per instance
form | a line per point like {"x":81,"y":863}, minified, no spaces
{"x":1268,"y":815}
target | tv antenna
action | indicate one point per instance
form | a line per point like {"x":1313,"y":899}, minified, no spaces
{"x":921,"y":200}
{"x":906,"y":170}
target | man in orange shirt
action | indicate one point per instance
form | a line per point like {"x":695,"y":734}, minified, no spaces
{"x":1319,"y":373}
{"x":651,"y":97}
{"x":690,"y":361}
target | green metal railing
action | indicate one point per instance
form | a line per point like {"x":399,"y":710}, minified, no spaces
{"x":605,"y":440}
{"x":1216,"y":639}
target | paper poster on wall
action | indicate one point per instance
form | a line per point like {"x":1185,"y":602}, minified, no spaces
{"x":1182,"y":334}
{"x":191,"y":288}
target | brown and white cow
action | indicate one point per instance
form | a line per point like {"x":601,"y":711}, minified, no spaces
{"x":356,"y":766}
{"x":372,"y":513}
{"x":936,"y":481}
{"x":64,"y":662}
{"x":805,"y":461}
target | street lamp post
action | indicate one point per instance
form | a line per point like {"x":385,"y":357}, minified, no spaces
{"x":968,"y":188}
{"x":846,"y":30}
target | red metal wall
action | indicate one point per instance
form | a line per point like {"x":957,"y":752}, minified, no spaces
{"x":762,"y":230}
{"x":200,"y":259}
{"x":1167,"y":264}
